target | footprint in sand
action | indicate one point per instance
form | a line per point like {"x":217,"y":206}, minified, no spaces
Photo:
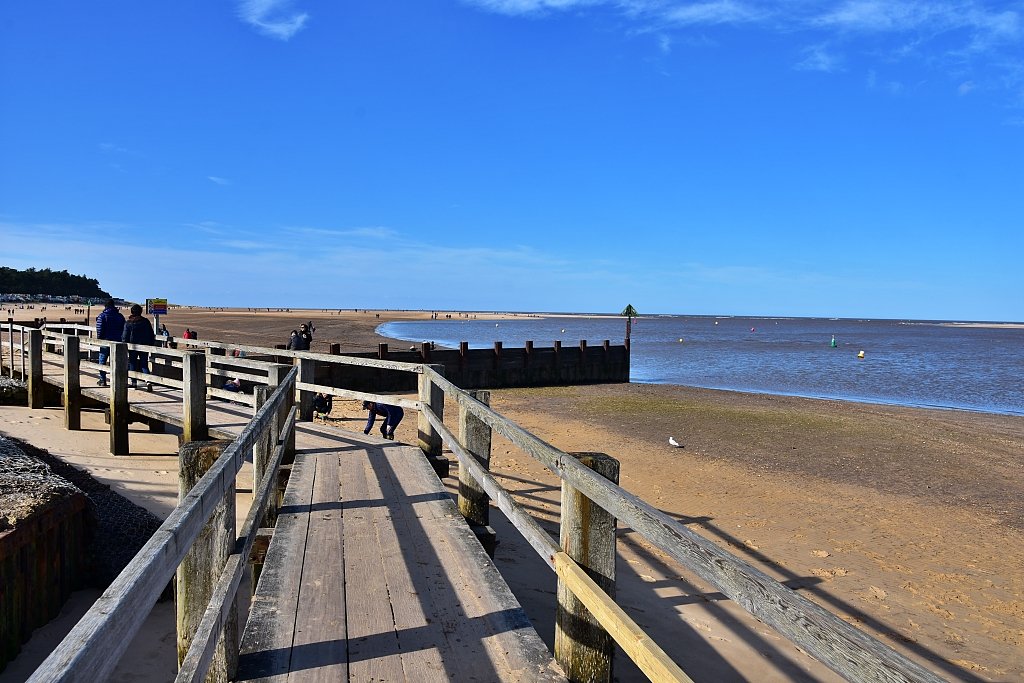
{"x":876,"y":593}
{"x":830,"y":573}
{"x":820,"y":553}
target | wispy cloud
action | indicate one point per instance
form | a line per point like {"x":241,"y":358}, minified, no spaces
{"x":273,"y":18}
{"x":950,"y":35}
{"x":218,"y":180}
{"x":711,"y":13}
{"x":818,"y":58}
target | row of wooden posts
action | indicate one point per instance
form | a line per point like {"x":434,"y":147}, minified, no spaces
{"x":582,"y":646}
{"x":584,"y":558}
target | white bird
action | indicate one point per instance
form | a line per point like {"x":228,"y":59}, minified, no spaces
{"x":672,"y":442}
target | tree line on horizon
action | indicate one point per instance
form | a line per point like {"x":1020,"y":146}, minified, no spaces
{"x":49,"y":283}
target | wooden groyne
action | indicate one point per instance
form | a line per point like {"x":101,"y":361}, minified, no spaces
{"x":386,"y":511}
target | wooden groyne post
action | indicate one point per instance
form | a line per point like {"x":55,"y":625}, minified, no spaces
{"x":119,"y":399}
{"x":72,"y":384}
{"x":35,"y":376}
{"x":193,"y":374}
{"x":583,"y":648}
{"x":429,"y":440}
{"x":199,"y":571}
{"x":474,"y":503}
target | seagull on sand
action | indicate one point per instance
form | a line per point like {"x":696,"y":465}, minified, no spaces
{"x":672,"y":442}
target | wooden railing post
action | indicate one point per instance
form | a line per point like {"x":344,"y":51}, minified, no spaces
{"x":118,"y":399}
{"x":429,"y":440}
{"x":275,"y":378}
{"x":21,"y":353}
{"x":474,"y":503}
{"x":72,"y":384}
{"x":35,"y":375}
{"x":305,"y":398}
{"x":582,"y":647}
{"x":193,"y":375}
{"x":201,"y":568}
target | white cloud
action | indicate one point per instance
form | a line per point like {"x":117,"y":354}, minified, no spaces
{"x":818,"y":58}
{"x":965,"y":88}
{"x":274,"y":18}
{"x":710,"y":13}
{"x":218,"y":180}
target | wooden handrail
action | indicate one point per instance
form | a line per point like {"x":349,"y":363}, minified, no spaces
{"x":843,"y":648}
{"x":647,"y":654}
{"x":200,"y":653}
{"x":92,"y":648}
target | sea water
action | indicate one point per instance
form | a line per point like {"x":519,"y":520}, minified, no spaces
{"x":916,"y":363}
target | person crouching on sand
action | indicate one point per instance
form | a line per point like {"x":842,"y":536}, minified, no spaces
{"x":392,"y":416}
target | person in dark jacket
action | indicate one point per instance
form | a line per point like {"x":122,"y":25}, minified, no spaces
{"x":110,"y":327}
{"x":294,"y":341}
{"x":138,"y":330}
{"x":305,"y":336}
{"x":392,"y":416}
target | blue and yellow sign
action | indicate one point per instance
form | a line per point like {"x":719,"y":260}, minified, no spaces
{"x":156,"y":306}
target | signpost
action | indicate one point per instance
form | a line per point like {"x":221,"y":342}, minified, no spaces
{"x":156,"y":308}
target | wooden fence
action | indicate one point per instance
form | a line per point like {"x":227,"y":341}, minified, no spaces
{"x":92,"y":649}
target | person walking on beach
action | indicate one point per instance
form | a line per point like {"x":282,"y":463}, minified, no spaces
{"x":392,"y":416}
{"x":306,"y":333}
{"x":138,"y":330}
{"x":110,"y":327}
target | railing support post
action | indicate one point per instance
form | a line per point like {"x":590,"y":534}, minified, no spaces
{"x":201,"y":568}
{"x":582,"y":647}
{"x":275,"y":378}
{"x":118,"y":399}
{"x":35,"y":364}
{"x":474,"y":503}
{"x":306,"y":374}
{"x":193,"y":374}
{"x":429,"y":440}
{"x":72,"y":384}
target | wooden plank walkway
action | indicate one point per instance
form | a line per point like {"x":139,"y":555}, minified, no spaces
{"x":372,"y":574}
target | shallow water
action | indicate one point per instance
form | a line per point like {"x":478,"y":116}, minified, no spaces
{"x":915,"y":363}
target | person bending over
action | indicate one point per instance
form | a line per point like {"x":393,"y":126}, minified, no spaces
{"x":392,"y":416}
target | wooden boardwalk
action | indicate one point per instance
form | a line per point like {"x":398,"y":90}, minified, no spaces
{"x":371,"y":574}
{"x":383,"y":578}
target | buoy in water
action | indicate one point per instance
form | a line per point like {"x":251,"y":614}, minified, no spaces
{"x":833,"y":344}
{"x":860,"y":355}
{"x":753,"y":329}
{"x":680,"y":340}
{"x":563,"y":330}
{"x":716,"y":322}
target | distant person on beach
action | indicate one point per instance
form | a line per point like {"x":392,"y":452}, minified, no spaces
{"x":138,"y":330}
{"x":322,"y":404}
{"x":392,"y":416}
{"x":109,"y":326}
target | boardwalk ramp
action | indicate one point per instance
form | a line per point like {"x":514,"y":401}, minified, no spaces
{"x":373,"y":575}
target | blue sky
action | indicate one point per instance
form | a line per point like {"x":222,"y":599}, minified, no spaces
{"x":765,"y":157}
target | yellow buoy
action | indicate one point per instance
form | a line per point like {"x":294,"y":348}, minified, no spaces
{"x":860,"y":355}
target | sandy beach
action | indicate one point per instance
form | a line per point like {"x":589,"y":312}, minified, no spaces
{"x":908,"y":523}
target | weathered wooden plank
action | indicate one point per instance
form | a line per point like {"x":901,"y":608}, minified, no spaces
{"x":266,"y":649}
{"x":320,"y":648}
{"x":373,"y":646}
{"x":426,"y":629}
{"x":487,"y":635}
